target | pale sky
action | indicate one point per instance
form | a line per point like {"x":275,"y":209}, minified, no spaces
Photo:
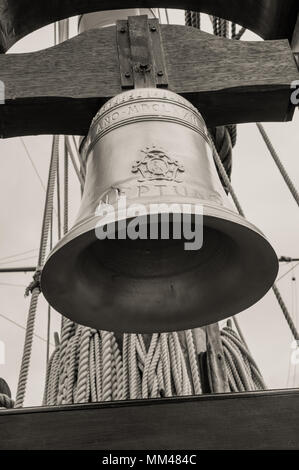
{"x":261,"y":190}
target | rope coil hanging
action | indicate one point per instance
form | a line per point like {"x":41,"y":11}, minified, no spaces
{"x":93,"y":366}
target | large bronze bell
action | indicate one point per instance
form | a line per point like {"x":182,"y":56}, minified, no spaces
{"x":151,"y":146}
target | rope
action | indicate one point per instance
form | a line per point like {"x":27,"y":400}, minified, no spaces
{"x":224,"y":137}
{"x":243,"y":373}
{"x":279,"y":163}
{"x":88,"y":366}
{"x":34,"y":287}
{"x":193,"y":362}
{"x":66,"y":190}
{"x":225,"y":177}
{"x":240,"y":210}
{"x":6,"y":401}
{"x":192,"y":18}
{"x":286,"y":312}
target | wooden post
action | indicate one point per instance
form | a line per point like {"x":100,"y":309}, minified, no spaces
{"x":215,"y":359}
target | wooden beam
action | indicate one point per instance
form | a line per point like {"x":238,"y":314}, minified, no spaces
{"x":60,"y":89}
{"x":273,"y":19}
{"x":256,"y":420}
{"x":215,"y":360}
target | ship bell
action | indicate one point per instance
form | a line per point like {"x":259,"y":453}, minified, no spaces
{"x":157,"y":245}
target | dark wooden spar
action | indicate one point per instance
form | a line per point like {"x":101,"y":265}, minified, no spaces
{"x":228,"y":81}
{"x":256,"y":420}
{"x":271,"y":19}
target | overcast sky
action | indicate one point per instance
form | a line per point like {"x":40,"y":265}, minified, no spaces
{"x":260,"y":188}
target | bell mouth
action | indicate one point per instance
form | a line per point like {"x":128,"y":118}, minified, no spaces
{"x":147,"y":286}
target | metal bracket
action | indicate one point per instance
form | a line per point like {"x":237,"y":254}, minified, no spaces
{"x":140,"y":53}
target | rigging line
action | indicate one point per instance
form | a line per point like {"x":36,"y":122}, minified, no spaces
{"x":167,"y":16}
{"x":49,"y":306}
{"x":23,"y":327}
{"x":75,"y":143}
{"x":17,"y":260}
{"x":73,"y":159}
{"x":55,"y":33}
{"x":239,"y":330}
{"x":18,"y":254}
{"x":32,"y":163}
{"x":159,"y":14}
{"x":290,"y":362}
{"x":35,"y":291}
{"x":278,"y":162}
{"x":82,"y":165}
{"x":6,"y":284}
{"x":275,"y":289}
{"x":295,"y":312}
{"x":153,"y":12}
{"x":285,"y":274}
{"x":240,"y":33}
{"x":58,"y":208}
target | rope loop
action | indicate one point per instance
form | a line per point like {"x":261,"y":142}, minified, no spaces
{"x":6,"y":401}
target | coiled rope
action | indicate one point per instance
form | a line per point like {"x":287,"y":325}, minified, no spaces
{"x":95,"y":366}
{"x":242,"y":371}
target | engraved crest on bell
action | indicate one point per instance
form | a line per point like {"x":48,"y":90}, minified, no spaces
{"x":157,"y":165}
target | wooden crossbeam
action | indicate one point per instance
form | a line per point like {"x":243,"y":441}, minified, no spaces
{"x":274,"y":19}
{"x":256,"y":420}
{"x":60,"y":89}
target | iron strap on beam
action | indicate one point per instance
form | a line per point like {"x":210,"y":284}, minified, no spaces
{"x":140,"y":53}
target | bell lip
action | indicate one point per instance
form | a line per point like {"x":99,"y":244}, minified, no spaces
{"x":211,"y":213}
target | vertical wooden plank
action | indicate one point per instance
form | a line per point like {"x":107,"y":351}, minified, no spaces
{"x":124,"y":54}
{"x":142,"y":62}
{"x":215,"y":360}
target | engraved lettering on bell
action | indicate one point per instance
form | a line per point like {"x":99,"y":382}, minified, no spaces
{"x":157,"y":165}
